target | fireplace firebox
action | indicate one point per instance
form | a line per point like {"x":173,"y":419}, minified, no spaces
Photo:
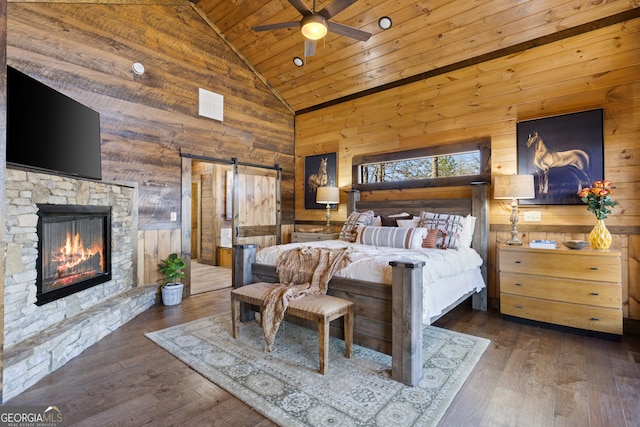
{"x":74,"y":249}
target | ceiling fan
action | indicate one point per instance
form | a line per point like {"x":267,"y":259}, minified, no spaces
{"x":315,"y":25}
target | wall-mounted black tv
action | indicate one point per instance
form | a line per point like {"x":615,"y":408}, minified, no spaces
{"x":49,"y":131}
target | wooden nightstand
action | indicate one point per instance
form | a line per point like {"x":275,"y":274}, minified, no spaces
{"x":298,"y":236}
{"x":576,"y":288}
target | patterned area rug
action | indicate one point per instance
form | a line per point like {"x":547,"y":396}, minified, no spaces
{"x":285,"y":386}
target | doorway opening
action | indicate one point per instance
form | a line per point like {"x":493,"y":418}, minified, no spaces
{"x":226,"y":203}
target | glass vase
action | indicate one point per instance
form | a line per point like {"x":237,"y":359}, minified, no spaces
{"x":600,"y":237}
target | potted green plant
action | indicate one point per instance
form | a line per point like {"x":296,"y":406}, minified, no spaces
{"x":171,"y":268}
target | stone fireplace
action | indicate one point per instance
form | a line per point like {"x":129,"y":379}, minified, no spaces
{"x":51,"y":312}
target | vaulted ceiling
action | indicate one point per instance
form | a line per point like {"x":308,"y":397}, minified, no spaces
{"x":427,"y":37}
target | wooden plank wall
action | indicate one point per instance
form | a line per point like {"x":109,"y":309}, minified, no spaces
{"x":154,"y":245}
{"x":212,"y":210}
{"x":599,"y":69}
{"x":86,"y":51}
{"x":207,"y":224}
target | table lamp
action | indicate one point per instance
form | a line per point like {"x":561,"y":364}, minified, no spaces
{"x":514,"y":187}
{"x":330,"y":196}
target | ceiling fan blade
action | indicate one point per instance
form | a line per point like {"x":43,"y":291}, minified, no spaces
{"x":336,"y":7}
{"x":301,"y":7}
{"x":276,"y":26}
{"x":345,"y":30}
{"x":309,"y":47}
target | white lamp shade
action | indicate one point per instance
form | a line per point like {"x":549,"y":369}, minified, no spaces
{"x":328,"y":195}
{"x":313,"y":27}
{"x":514,"y":187}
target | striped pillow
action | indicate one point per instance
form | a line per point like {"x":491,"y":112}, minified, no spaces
{"x":449,"y":224}
{"x":431,"y":241}
{"x":392,"y":237}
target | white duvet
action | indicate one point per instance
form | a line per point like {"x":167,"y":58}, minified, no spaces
{"x":447,"y":274}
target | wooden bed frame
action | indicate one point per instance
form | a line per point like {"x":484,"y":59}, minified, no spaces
{"x":375,"y":326}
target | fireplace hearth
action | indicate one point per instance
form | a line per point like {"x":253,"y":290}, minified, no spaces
{"x":74,"y":249}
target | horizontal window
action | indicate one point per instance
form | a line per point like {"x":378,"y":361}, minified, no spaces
{"x":454,"y":163}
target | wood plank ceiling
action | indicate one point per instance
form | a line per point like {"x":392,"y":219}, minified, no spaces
{"x":426,"y":35}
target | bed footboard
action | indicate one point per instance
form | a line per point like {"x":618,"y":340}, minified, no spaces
{"x":375,"y":326}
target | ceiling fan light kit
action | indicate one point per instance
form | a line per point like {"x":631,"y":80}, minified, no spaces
{"x":313,"y":27}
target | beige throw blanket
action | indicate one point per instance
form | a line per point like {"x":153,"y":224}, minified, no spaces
{"x":302,"y":271}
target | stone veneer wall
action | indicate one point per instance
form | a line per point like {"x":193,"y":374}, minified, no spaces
{"x":63,"y":328}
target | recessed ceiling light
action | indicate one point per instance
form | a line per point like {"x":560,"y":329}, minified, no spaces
{"x":298,"y":61}
{"x":138,"y":68}
{"x":385,"y":23}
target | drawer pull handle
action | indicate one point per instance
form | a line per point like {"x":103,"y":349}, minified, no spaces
{"x":595,"y":318}
{"x":594,"y":268}
{"x":595,"y":294}
{"x":518,"y":284}
{"x":517,"y":262}
{"x":518,"y":306}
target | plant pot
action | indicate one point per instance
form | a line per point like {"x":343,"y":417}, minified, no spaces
{"x":172,"y":293}
{"x":600,"y":237}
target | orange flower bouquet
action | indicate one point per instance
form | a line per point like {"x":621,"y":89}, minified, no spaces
{"x":598,"y":198}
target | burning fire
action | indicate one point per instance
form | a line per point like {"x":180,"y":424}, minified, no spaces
{"x":72,"y":258}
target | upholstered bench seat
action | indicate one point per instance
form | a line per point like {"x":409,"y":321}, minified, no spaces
{"x":319,"y":308}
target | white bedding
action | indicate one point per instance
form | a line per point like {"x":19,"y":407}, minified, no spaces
{"x":447,"y":275}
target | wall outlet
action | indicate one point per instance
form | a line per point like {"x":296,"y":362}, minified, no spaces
{"x":533,"y":216}
{"x":174,"y":216}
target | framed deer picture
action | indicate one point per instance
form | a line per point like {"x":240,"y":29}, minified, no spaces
{"x":319,"y":171}
{"x":563,"y":153}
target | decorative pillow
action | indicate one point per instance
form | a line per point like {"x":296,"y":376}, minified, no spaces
{"x":450,"y":224}
{"x":408,"y":223}
{"x":392,"y":220}
{"x":377,"y":221}
{"x":432,"y":238}
{"x":350,"y":226}
{"x":392,"y":237}
{"x":468,"y":227}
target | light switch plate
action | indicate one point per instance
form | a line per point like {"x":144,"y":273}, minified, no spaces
{"x":533,"y":216}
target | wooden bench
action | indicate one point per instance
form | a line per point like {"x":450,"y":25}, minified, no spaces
{"x":319,"y":308}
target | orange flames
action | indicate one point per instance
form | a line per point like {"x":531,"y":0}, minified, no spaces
{"x":73,"y":258}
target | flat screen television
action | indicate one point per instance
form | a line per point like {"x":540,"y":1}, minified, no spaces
{"x":49,"y":131}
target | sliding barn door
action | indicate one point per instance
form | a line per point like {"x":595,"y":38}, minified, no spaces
{"x":256,"y":206}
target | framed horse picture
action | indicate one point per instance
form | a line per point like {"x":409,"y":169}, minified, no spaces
{"x":564,"y":154}
{"x":319,"y":171}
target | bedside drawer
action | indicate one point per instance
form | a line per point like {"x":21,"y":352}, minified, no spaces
{"x":584,"y":267}
{"x":607,"y":320}
{"x":566,"y":290}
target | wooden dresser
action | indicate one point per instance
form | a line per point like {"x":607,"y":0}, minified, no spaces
{"x":576,"y":288}
{"x":298,"y":236}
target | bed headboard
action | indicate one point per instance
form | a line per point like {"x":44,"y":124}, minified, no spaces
{"x":477,"y":205}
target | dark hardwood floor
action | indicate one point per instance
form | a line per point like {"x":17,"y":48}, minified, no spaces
{"x":528,"y":376}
